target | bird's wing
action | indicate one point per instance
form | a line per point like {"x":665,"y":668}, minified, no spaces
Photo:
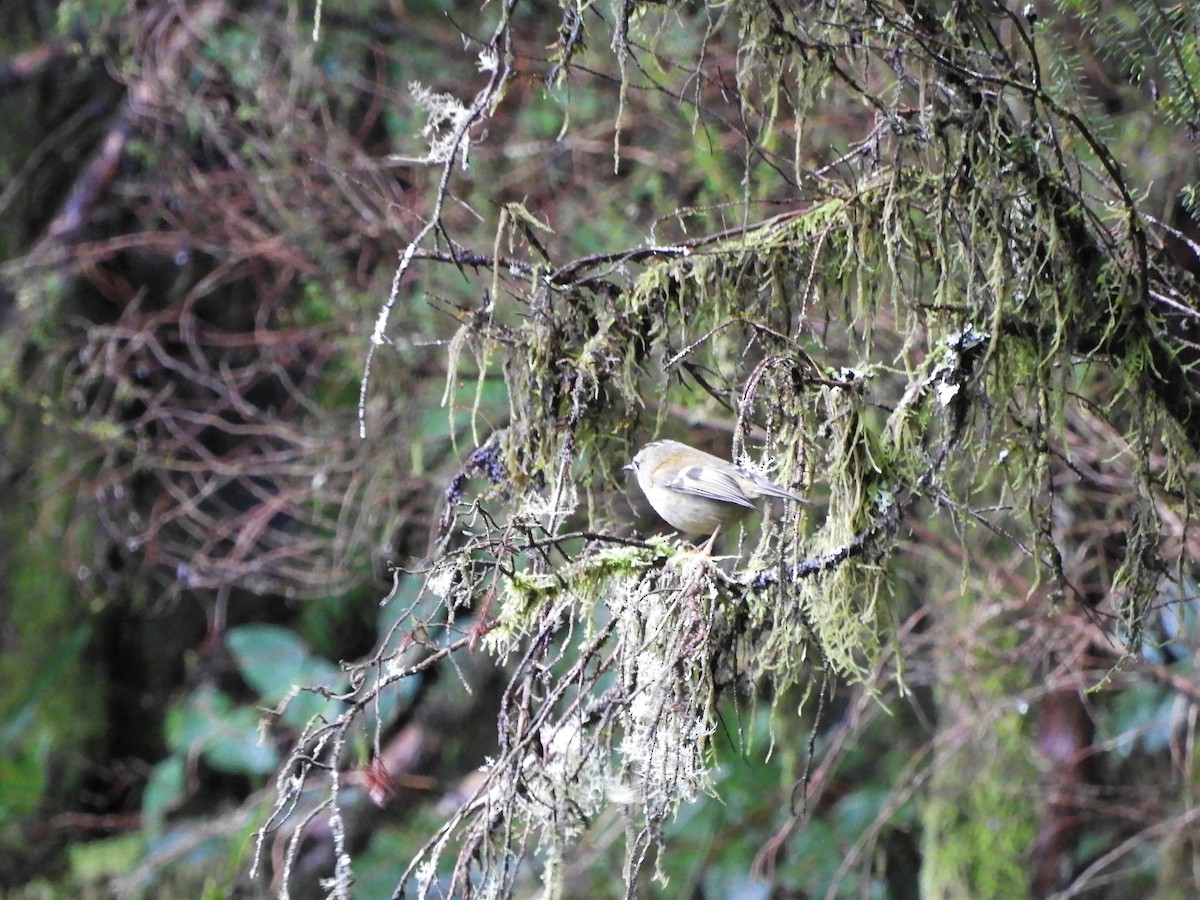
{"x":771,"y":489}
{"x":709,"y":482}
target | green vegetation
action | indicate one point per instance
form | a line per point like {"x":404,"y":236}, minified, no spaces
{"x":322,"y":354}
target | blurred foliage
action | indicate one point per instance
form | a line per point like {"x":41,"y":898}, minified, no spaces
{"x":205,"y":211}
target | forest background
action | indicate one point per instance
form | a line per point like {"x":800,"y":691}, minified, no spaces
{"x":326,"y":331}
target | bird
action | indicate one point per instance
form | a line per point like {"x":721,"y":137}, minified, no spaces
{"x":698,"y":493}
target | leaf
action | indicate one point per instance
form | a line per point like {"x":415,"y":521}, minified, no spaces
{"x":225,"y":736}
{"x":163,"y":791}
{"x":273,"y":661}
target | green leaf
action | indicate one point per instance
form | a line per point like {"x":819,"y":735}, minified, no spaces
{"x":23,"y":777}
{"x":225,"y":736}
{"x":238,"y":747}
{"x":273,"y":661}
{"x":96,"y":861}
{"x":164,"y":790}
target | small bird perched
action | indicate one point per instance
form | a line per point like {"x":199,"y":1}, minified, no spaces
{"x":698,"y":493}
